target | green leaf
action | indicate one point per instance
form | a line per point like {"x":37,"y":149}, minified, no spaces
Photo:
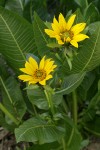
{"x":93,"y":126}
{"x":16,"y":38}
{"x":92,"y":109}
{"x":37,"y":97}
{"x":38,"y":130}
{"x":40,"y":36}
{"x":15,"y":6}
{"x":53,"y":146}
{"x":41,"y":8}
{"x":88,"y":56}
{"x":70,"y":83}
{"x":93,"y":27}
{"x":73,"y":137}
{"x":12,"y":97}
{"x":91,"y":13}
{"x":85,"y":86}
{"x":2,"y":2}
{"x":3,"y":68}
{"x":82,"y":3}
{"x":53,"y":45}
{"x":4,"y":124}
{"x":79,"y":16}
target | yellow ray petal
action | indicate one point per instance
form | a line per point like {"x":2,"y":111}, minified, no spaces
{"x":48,"y":65}
{"x":74,"y":43}
{"x":78,"y":28}
{"x":42,"y":63}
{"x":60,"y":42}
{"x":62,"y":23}
{"x":56,"y":22}
{"x":58,"y":38}
{"x":29,"y":67}
{"x":80,"y":37}
{"x":47,"y":61}
{"x":50,"y":32}
{"x":70,"y":22}
{"x":49,"y":77}
{"x":33,"y":63}
{"x":32,"y":82}
{"x":55,"y":28}
{"x":68,"y":39}
{"x":43,"y":82}
{"x":27,"y":71}
{"x":25,"y":77}
{"x":52,"y":69}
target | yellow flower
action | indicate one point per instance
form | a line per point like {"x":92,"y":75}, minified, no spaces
{"x":37,"y":73}
{"x":64,"y":32}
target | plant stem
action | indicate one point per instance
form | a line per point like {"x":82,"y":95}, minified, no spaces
{"x":34,"y":108}
{"x":49,"y":99}
{"x":74,"y":96}
{"x":63,"y":143}
{"x":6,"y":112}
{"x":65,"y":106}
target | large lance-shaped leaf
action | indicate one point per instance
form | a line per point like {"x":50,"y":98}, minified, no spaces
{"x":70,"y":83}
{"x":15,"y":5}
{"x":40,"y":36}
{"x":16,"y":38}
{"x":4,"y":123}
{"x":38,"y":130}
{"x":88,"y":55}
{"x":12,"y":97}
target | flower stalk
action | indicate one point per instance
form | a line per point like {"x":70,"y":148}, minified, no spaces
{"x":74,"y":96}
{"x":48,"y":95}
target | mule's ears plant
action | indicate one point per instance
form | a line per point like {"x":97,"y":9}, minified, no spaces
{"x":53,"y":108}
{"x":65,"y":32}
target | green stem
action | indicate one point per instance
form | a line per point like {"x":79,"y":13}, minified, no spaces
{"x":63,"y":143}
{"x":74,"y":96}
{"x":34,"y":108}
{"x":6,"y":112}
{"x":65,"y":106}
{"x":49,"y":99}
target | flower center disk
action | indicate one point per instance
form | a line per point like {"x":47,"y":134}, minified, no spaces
{"x":40,"y":74}
{"x":66,"y":35}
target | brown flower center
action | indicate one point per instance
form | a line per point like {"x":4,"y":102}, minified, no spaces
{"x":39,"y":74}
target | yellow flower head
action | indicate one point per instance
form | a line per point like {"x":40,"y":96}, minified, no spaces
{"x":64,"y":32}
{"x":37,"y":73}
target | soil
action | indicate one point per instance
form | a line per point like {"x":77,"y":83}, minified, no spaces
{"x":8,"y":142}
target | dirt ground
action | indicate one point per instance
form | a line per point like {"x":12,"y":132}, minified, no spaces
{"x":7,"y":142}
